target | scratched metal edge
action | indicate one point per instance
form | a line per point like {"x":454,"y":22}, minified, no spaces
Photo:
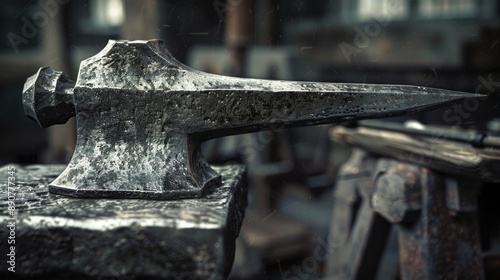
{"x":144,"y":238}
{"x":126,"y":194}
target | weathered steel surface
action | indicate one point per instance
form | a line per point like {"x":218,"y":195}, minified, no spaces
{"x":48,"y":97}
{"x":141,"y":116}
{"x":57,"y":237}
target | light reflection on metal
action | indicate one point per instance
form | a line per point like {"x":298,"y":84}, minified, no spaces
{"x":142,"y":115}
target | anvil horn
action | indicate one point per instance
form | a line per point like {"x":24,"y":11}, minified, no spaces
{"x":141,"y":116}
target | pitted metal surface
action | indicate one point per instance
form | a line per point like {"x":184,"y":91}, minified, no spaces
{"x":64,"y":238}
{"x":141,"y":117}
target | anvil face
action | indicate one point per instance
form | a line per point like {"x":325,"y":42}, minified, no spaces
{"x":67,"y":238}
{"x":141,"y":116}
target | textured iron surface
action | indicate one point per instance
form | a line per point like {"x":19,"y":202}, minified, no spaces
{"x":48,"y":97}
{"x":60,"y":238}
{"x":141,"y":116}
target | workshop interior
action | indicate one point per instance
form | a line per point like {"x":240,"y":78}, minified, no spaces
{"x":412,"y":196}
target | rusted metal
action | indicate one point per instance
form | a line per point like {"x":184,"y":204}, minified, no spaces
{"x":435,"y":217}
{"x":438,"y":181}
{"x":462,"y":194}
{"x":440,"y":245}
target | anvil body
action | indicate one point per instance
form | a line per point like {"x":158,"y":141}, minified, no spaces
{"x":56,"y":237}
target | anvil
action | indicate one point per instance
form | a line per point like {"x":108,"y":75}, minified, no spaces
{"x":141,"y":116}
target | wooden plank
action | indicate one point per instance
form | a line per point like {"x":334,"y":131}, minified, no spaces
{"x":435,"y":153}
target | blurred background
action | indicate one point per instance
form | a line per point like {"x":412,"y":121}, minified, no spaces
{"x":450,"y":44}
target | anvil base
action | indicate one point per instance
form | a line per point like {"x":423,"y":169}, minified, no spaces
{"x":57,"y":237}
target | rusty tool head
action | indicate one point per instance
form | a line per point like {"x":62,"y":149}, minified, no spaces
{"x":141,"y":116}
